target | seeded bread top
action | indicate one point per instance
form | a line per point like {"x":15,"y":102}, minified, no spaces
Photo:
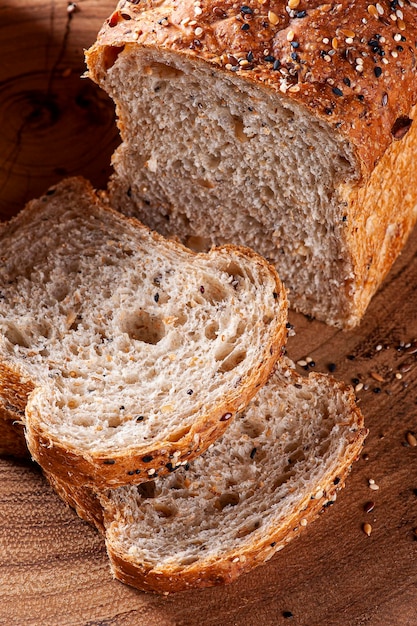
{"x":352,"y":64}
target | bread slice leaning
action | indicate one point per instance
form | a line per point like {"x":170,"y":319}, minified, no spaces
{"x":273,"y":471}
{"x":128,"y":353}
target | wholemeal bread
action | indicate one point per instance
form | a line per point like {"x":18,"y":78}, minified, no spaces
{"x":273,"y":471}
{"x":286,"y":126}
{"x":128,"y":354}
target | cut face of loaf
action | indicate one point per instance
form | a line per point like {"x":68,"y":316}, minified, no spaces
{"x":272,"y":472}
{"x":129,"y":354}
{"x":227,"y":137}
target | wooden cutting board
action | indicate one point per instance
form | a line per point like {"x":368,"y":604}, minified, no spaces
{"x":53,"y":567}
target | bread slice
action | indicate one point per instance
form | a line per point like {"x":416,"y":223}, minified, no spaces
{"x":244,"y":123}
{"x":129,"y":354}
{"x":273,"y":471}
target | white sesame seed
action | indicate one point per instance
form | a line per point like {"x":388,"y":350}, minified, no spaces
{"x":290,"y":35}
{"x":359,"y":387}
{"x":380,"y":9}
{"x":192,"y":23}
{"x":309,"y":359}
{"x":378,"y":347}
{"x":349,"y":40}
{"x":385,"y":61}
{"x":151,"y":472}
{"x":399,"y":14}
{"x":393,"y":17}
{"x":198,"y":10}
{"x":359,"y":61}
{"x":374,"y":487}
{"x":394,"y":54}
{"x":326,"y":40}
{"x":327,"y":58}
{"x":398,"y":376}
{"x":198,"y":31}
{"x":303,"y":522}
{"x":371,"y":481}
{"x":397,"y":37}
{"x":359,"y":68}
{"x":302,"y":363}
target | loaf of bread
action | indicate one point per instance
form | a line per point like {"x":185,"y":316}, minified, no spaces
{"x":272,"y":472}
{"x":287,"y":126}
{"x":124,"y":354}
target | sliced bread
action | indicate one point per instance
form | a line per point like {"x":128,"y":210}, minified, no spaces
{"x":273,"y":471}
{"x":257,"y":124}
{"x":128,"y":354}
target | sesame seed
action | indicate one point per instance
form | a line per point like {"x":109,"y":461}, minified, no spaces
{"x":246,"y":10}
{"x":411,"y":440}
{"x":198,"y":10}
{"x":372,"y":10}
{"x":367,"y":529}
{"x":337,"y":91}
{"x":273,"y":18}
{"x":294,"y":88}
{"x":290,"y":35}
{"x":380,"y":9}
{"x":377,"y":71}
{"x":331,"y":367}
{"x":397,"y":37}
{"x":374,"y":487}
{"x":198,"y":31}
{"x":302,"y":363}
{"x":245,"y":27}
{"x":326,"y":40}
{"x":398,"y":376}
{"x":151,"y":472}
{"x":327,"y":58}
{"x":303,"y":522}
{"x":276,"y":65}
{"x":358,"y":387}
{"x":349,"y":40}
{"x":225,"y":417}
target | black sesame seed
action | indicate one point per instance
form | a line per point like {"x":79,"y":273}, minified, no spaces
{"x":336,"y":480}
{"x":50,"y":192}
{"x":287,"y":614}
{"x":344,"y":218}
{"x":288,"y":325}
{"x":351,"y":357}
{"x":355,"y":381}
{"x":276,"y":65}
{"x":147,"y":458}
{"x":169,"y":467}
{"x":246,"y":10}
{"x":249,"y":56}
{"x":337,"y":91}
{"x":137,"y":471}
{"x":295,"y":44}
{"x":190,"y":392}
{"x":253,"y":452}
{"x":202,"y":290}
{"x":140,"y":418}
{"x":312,"y":364}
{"x":300,"y":14}
{"x":331,"y":367}
{"x":269,"y":58}
{"x":377,"y":390}
{"x":156,"y":297}
{"x":245,"y":27}
{"x":294,"y":56}
{"x":361,"y":97}
{"x":131,"y":472}
{"x":328,"y":111}
{"x":109,"y":462}
{"x":377,"y":71}
{"x":400,"y":48}
{"x":187,"y":467}
{"x":298,"y":386}
{"x":121,"y":408}
{"x":274,"y":295}
{"x":274,"y":543}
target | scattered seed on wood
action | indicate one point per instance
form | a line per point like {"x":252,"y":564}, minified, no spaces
{"x":411,"y":439}
{"x":367,"y":529}
{"x":369,"y":506}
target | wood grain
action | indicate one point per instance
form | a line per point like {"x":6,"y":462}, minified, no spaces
{"x":53,"y":567}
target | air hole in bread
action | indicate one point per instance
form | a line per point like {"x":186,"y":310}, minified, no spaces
{"x":110,"y":55}
{"x":211,"y":330}
{"x":239,"y":129}
{"x":16,"y":336}
{"x":188,"y":560}
{"x":248,"y":529}
{"x":147,"y":489}
{"x":281,"y":480}
{"x":142,"y":326}
{"x":227,"y":499}
{"x":165,"y":511}
{"x":253,"y":428}
{"x":232,"y":361}
{"x":162,"y":70}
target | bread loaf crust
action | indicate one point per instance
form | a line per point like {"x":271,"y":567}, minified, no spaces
{"x":351,"y":66}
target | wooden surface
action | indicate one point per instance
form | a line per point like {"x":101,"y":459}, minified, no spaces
{"x":53,"y":567}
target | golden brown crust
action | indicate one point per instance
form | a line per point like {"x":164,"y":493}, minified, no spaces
{"x":351,"y":64}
